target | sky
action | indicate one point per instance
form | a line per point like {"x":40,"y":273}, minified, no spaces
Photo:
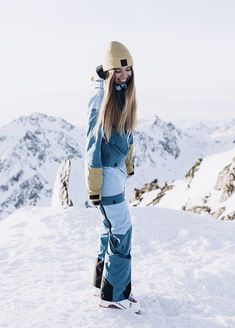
{"x":183,"y":56}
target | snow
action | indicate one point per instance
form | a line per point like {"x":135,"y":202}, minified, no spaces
{"x":202,"y":185}
{"x":183,"y":270}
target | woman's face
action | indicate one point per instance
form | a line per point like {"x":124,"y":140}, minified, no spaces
{"x":123,"y":74}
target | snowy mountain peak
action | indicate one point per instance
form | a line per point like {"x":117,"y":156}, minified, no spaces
{"x":156,"y":138}
{"x":159,"y":123}
{"x":31,"y":149}
{"x":41,"y":120}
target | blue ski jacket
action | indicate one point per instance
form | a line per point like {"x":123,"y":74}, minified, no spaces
{"x":99,"y":153}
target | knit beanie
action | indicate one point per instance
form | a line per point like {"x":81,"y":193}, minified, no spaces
{"x":116,"y":56}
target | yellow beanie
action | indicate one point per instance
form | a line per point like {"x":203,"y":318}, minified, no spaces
{"x":116,"y":56}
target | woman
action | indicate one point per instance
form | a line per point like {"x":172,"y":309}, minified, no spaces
{"x":112,"y":119}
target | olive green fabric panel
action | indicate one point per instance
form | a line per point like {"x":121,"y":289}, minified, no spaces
{"x":129,"y":161}
{"x":94,"y":180}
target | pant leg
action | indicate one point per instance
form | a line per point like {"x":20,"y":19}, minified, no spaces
{"x":99,"y":266}
{"x":113,"y":268}
{"x":116,"y":277}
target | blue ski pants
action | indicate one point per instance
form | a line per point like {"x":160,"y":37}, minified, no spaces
{"x":113,"y":267}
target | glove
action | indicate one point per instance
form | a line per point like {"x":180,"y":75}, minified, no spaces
{"x":94,"y":199}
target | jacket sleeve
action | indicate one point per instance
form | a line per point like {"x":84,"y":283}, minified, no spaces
{"x":93,"y":147}
{"x":129,"y":159}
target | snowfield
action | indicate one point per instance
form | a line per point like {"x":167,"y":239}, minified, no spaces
{"x":183,"y":270}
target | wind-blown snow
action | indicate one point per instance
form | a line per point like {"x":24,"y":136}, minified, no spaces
{"x":183,"y":270}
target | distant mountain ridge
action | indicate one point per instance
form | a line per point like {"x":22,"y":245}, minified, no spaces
{"x":32,"y":148}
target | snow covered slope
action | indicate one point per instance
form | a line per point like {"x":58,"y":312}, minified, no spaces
{"x":183,"y":270}
{"x":208,"y":187}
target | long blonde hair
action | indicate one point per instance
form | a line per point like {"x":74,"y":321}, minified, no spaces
{"x":111,"y":116}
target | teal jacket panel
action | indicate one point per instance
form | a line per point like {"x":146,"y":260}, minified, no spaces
{"x":94,"y":140}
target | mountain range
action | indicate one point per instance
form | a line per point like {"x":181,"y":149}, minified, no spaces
{"x":33,"y":147}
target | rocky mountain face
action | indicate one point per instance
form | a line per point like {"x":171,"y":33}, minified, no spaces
{"x":60,"y":195}
{"x":158,"y":147}
{"x":156,"y":139}
{"x":165,"y":151}
{"x":208,"y":187}
{"x":31,"y":149}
